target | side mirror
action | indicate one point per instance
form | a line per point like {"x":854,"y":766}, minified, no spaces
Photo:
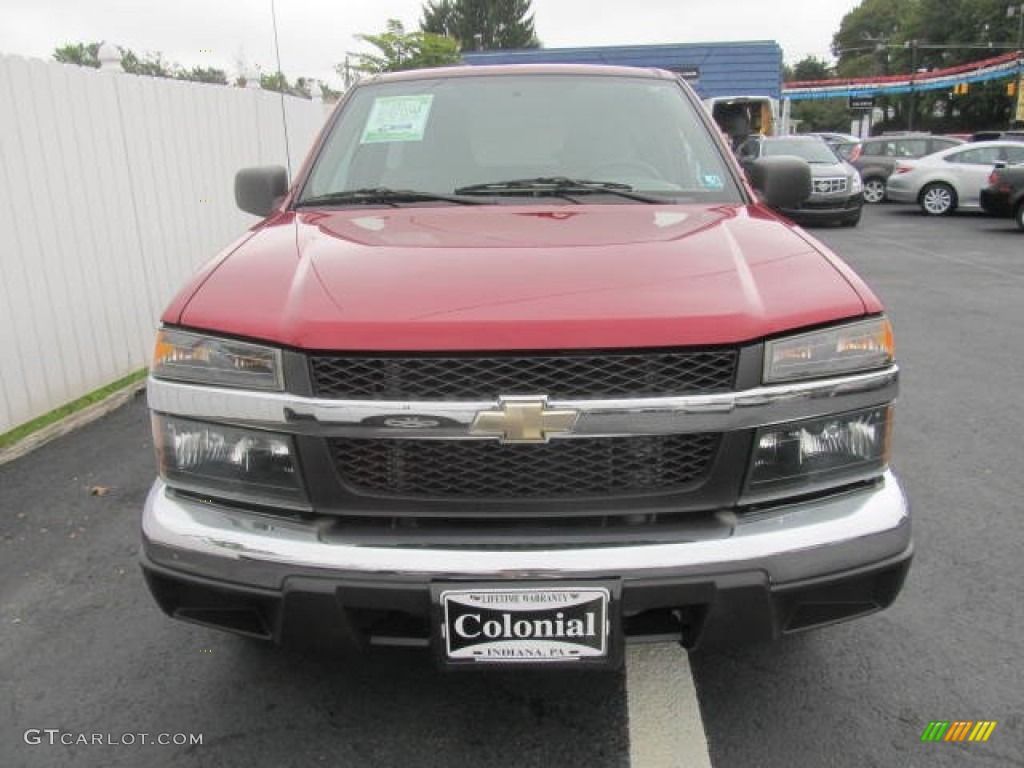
{"x":258,"y":190}
{"x":783,"y":181}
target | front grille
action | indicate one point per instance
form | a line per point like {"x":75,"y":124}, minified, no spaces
{"x":829,"y":186}
{"x":475,"y":377}
{"x":484,"y":469}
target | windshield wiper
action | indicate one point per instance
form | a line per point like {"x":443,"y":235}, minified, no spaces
{"x":382,"y":195}
{"x":558,"y":186}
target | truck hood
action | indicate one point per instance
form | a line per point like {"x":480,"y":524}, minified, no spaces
{"x":521,"y":277}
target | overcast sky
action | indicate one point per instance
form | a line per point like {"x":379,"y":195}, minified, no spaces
{"x":316,"y":34}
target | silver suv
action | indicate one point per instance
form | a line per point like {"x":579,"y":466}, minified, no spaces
{"x":836,"y":193}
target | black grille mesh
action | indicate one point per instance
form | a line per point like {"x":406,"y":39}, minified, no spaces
{"x":491,"y":470}
{"x":599,"y":375}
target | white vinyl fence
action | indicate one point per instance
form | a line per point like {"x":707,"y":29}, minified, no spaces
{"x":114,"y":188}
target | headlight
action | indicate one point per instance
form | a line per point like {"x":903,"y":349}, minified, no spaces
{"x":185,"y":356}
{"x":819,"y":453}
{"x":860,"y":346}
{"x":856,"y":185}
{"x":228,"y":462}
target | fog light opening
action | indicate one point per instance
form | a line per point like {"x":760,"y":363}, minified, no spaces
{"x":241,"y":621}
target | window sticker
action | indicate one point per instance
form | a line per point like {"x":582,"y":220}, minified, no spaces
{"x":711,"y":181}
{"x":397,"y":118}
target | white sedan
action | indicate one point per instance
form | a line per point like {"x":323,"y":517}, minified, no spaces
{"x":951,"y":178}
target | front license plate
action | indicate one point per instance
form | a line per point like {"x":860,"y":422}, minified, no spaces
{"x":561,"y":624}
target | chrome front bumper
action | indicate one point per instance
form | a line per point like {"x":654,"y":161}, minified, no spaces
{"x":788,"y":543}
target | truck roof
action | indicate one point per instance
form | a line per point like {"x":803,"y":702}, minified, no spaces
{"x":519,"y":69}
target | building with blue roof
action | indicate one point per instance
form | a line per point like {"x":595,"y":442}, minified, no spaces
{"x":752,"y":68}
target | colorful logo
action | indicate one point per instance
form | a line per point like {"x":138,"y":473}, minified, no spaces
{"x":958,"y":730}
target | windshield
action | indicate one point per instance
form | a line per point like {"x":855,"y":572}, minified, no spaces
{"x":811,"y":151}
{"x":451,"y":134}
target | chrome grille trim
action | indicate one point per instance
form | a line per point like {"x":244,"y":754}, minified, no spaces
{"x":829,"y":186}
{"x":747,"y":409}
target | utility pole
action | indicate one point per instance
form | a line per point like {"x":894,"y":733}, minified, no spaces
{"x":913,"y":74}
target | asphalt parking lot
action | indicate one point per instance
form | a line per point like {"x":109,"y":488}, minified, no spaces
{"x":85,"y":652}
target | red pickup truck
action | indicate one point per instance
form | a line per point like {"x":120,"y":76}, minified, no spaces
{"x":521,"y":368}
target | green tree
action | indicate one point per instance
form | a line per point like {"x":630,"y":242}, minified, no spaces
{"x":817,"y":114}
{"x":808,"y":68}
{"x":328,"y":94}
{"x":881,"y":37}
{"x":862,"y":42}
{"x":82,"y":54}
{"x":399,"y":50}
{"x":202,"y":75}
{"x":276,"y":81}
{"x":152,"y":64}
{"x":303,"y":87}
{"x":482,"y":24}
{"x":87,"y":55}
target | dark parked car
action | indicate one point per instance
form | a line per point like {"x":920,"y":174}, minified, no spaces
{"x":836,"y":192}
{"x":1004,"y":195}
{"x":878,"y":157}
{"x":1012,"y":135}
{"x":843,"y":144}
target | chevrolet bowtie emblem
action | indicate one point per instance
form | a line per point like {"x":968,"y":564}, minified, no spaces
{"x":523,"y":420}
